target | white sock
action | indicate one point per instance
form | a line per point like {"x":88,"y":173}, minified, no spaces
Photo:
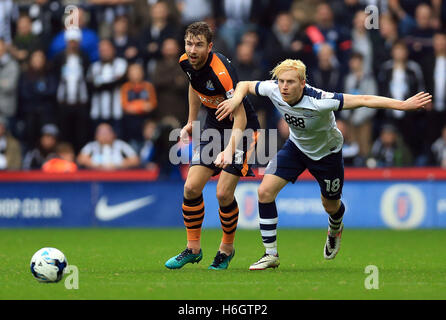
{"x":271,"y":248}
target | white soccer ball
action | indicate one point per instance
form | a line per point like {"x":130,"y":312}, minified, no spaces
{"x":48,"y":265}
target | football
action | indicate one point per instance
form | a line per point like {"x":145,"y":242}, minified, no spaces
{"x":48,"y":265}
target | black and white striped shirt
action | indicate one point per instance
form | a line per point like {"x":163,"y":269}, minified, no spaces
{"x":107,"y":80}
{"x":72,"y":89}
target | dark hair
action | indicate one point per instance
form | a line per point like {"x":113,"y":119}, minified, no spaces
{"x":441,"y":32}
{"x":357,"y":55}
{"x":64,"y":147}
{"x":200,"y":28}
{"x":399,"y":43}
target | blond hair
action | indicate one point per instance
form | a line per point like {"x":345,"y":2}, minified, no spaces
{"x":290,"y":64}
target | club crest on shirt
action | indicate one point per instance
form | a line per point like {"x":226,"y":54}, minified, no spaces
{"x":327,"y":95}
{"x":210,"y":85}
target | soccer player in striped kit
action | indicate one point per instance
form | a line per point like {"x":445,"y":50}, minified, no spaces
{"x":213,"y":79}
{"x":314,"y":143}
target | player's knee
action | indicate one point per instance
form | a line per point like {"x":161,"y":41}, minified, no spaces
{"x":331,"y":206}
{"x":265,"y":195}
{"x":191,"y":191}
{"x":224,"y":196}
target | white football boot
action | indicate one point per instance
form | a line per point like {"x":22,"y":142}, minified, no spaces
{"x":333,"y":243}
{"x":266,"y":261}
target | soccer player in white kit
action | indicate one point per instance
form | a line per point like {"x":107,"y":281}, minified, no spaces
{"x":314,"y":143}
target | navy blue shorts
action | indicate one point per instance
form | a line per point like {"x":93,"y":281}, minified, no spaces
{"x":290,"y":162}
{"x":204,"y":154}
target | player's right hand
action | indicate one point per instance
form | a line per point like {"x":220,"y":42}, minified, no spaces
{"x":185,"y":133}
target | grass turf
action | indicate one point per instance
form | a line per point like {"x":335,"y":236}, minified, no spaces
{"x":129,"y":264}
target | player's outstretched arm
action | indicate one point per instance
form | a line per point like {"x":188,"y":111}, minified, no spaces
{"x":420,"y":100}
{"x":228,"y":106}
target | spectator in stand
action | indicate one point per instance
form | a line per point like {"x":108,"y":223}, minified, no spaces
{"x":46,"y":149}
{"x":235,"y":17}
{"x":219,"y":44}
{"x":389,"y":150}
{"x":252,"y":38}
{"x":9,"y":78}
{"x":327,"y":74}
{"x":362,"y":40}
{"x":105,"y":12}
{"x":140,"y":13}
{"x":89,"y":39}
{"x":400,"y":78}
{"x":45,"y":18}
{"x":138,"y":98}
{"x":170,"y":83}
{"x":350,"y":148}
{"x":163,"y":146}
{"x":127,"y":47}
{"x":382,"y":45}
{"x":24,"y":42}
{"x":346,"y":10}
{"x":286,"y":41}
{"x":63,"y":160}
{"x":107,"y":152}
{"x":303,"y":11}
{"x":106,"y":77}
{"x":7,"y":11}
{"x":326,"y":31}
{"x":194,"y":10}
{"x":147,"y":151}
{"x":248,"y":69}
{"x":159,"y":29}
{"x":72,"y":94}
{"x":435,"y":76}
{"x":358,"y":81}
{"x":419,"y":40}
{"x":438,"y":150}
{"x":404,"y":10}
{"x":37,"y":102}
{"x":10,"y":151}
{"x":439,"y":8}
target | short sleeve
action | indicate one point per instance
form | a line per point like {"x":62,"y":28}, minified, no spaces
{"x":325,"y":101}
{"x":126,"y":149}
{"x":265,"y":88}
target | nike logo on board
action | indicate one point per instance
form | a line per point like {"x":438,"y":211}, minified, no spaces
{"x":105,"y":212}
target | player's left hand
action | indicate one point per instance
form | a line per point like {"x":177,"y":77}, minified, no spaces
{"x":420,"y":100}
{"x":224,"y":109}
{"x":223,"y":159}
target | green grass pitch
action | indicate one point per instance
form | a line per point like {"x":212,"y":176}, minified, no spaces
{"x":129,"y":264}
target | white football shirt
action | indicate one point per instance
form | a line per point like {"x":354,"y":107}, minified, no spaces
{"x":311,"y":120}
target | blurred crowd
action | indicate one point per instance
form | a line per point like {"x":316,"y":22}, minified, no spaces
{"x":107,"y":95}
